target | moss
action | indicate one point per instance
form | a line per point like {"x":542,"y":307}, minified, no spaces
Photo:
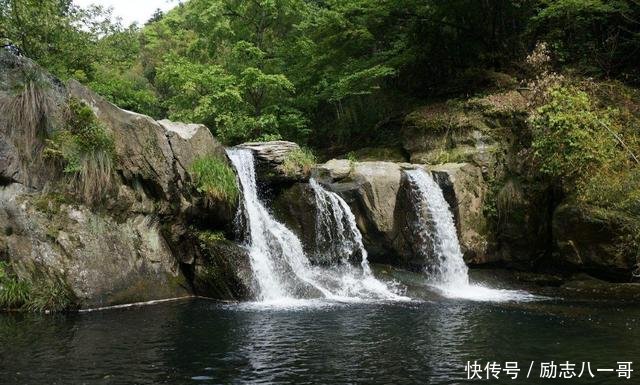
{"x":437,"y":118}
{"x":378,"y":153}
{"x":500,"y":105}
{"x":215,"y":178}
{"x":208,"y":237}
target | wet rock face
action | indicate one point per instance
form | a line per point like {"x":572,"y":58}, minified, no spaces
{"x":465,"y":190}
{"x":590,"y":239}
{"x":371,"y":189}
{"x":296,"y":208}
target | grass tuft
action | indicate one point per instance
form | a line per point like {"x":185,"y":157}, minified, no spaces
{"x":215,"y":178}
{"x":86,"y":151}
{"x":298,"y":161}
{"x":27,"y":113}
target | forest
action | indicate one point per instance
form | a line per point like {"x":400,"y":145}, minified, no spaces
{"x":325,"y":73}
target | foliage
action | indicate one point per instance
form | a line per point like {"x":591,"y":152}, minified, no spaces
{"x":86,"y":150}
{"x":215,"y":178}
{"x":28,"y":112}
{"x":298,"y":161}
{"x":14,"y":293}
{"x":569,"y":136}
{"x":50,"y":294}
{"x":208,"y":237}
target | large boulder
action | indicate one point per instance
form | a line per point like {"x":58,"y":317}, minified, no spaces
{"x":271,"y":157}
{"x":465,"y":190}
{"x":153,"y":157}
{"x":371,"y":190}
{"x":137,"y":244}
{"x":104,"y":262}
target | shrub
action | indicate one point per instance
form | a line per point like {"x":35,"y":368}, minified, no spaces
{"x":570,"y":140}
{"x":215,"y":178}
{"x":299,"y":160}
{"x":86,"y":150}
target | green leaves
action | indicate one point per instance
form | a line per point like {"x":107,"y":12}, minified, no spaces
{"x":569,"y":139}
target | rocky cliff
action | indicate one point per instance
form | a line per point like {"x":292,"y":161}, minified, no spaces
{"x":152,"y":236}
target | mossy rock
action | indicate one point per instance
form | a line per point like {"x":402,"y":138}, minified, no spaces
{"x":222,"y":269}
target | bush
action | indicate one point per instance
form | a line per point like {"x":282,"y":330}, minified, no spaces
{"x":215,"y":178}
{"x":570,"y":138}
{"x":86,"y":150}
{"x":299,"y":160}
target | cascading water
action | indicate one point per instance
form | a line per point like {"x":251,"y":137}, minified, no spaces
{"x":281,"y":269}
{"x":436,"y":235}
{"x":447,"y":267}
{"x":337,"y":235}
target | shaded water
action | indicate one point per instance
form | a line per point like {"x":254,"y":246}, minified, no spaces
{"x":203,"y":342}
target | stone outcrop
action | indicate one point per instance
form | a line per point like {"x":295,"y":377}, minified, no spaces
{"x":270,"y":161}
{"x":371,"y":189}
{"x":140,"y":243}
{"x":104,"y":262}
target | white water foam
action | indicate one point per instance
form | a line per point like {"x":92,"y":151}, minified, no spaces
{"x":283,"y":273}
{"x":436,"y":230}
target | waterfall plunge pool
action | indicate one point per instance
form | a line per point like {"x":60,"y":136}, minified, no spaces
{"x":417,"y":342}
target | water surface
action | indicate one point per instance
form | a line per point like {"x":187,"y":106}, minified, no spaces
{"x":204,"y":342}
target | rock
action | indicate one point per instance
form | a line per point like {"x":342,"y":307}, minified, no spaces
{"x":371,"y":190}
{"x":296,"y":207}
{"x":591,"y":239}
{"x":587,"y":287}
{"x":465,"y":190}
{"x":448,"y":133}
{"x":103,"y":262}
{"x":270,"y":158}
{"x":136,"y":245}
{"x":223,"y":271}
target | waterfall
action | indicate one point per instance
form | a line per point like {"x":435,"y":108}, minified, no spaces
{"x":447,"y":266}
{"x":280,"y":266}
{"x":437,"y":240}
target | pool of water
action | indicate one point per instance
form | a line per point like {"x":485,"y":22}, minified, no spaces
{"x":205,"y":342}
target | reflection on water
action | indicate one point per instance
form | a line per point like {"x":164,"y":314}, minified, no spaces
{"x":202,"y":342}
